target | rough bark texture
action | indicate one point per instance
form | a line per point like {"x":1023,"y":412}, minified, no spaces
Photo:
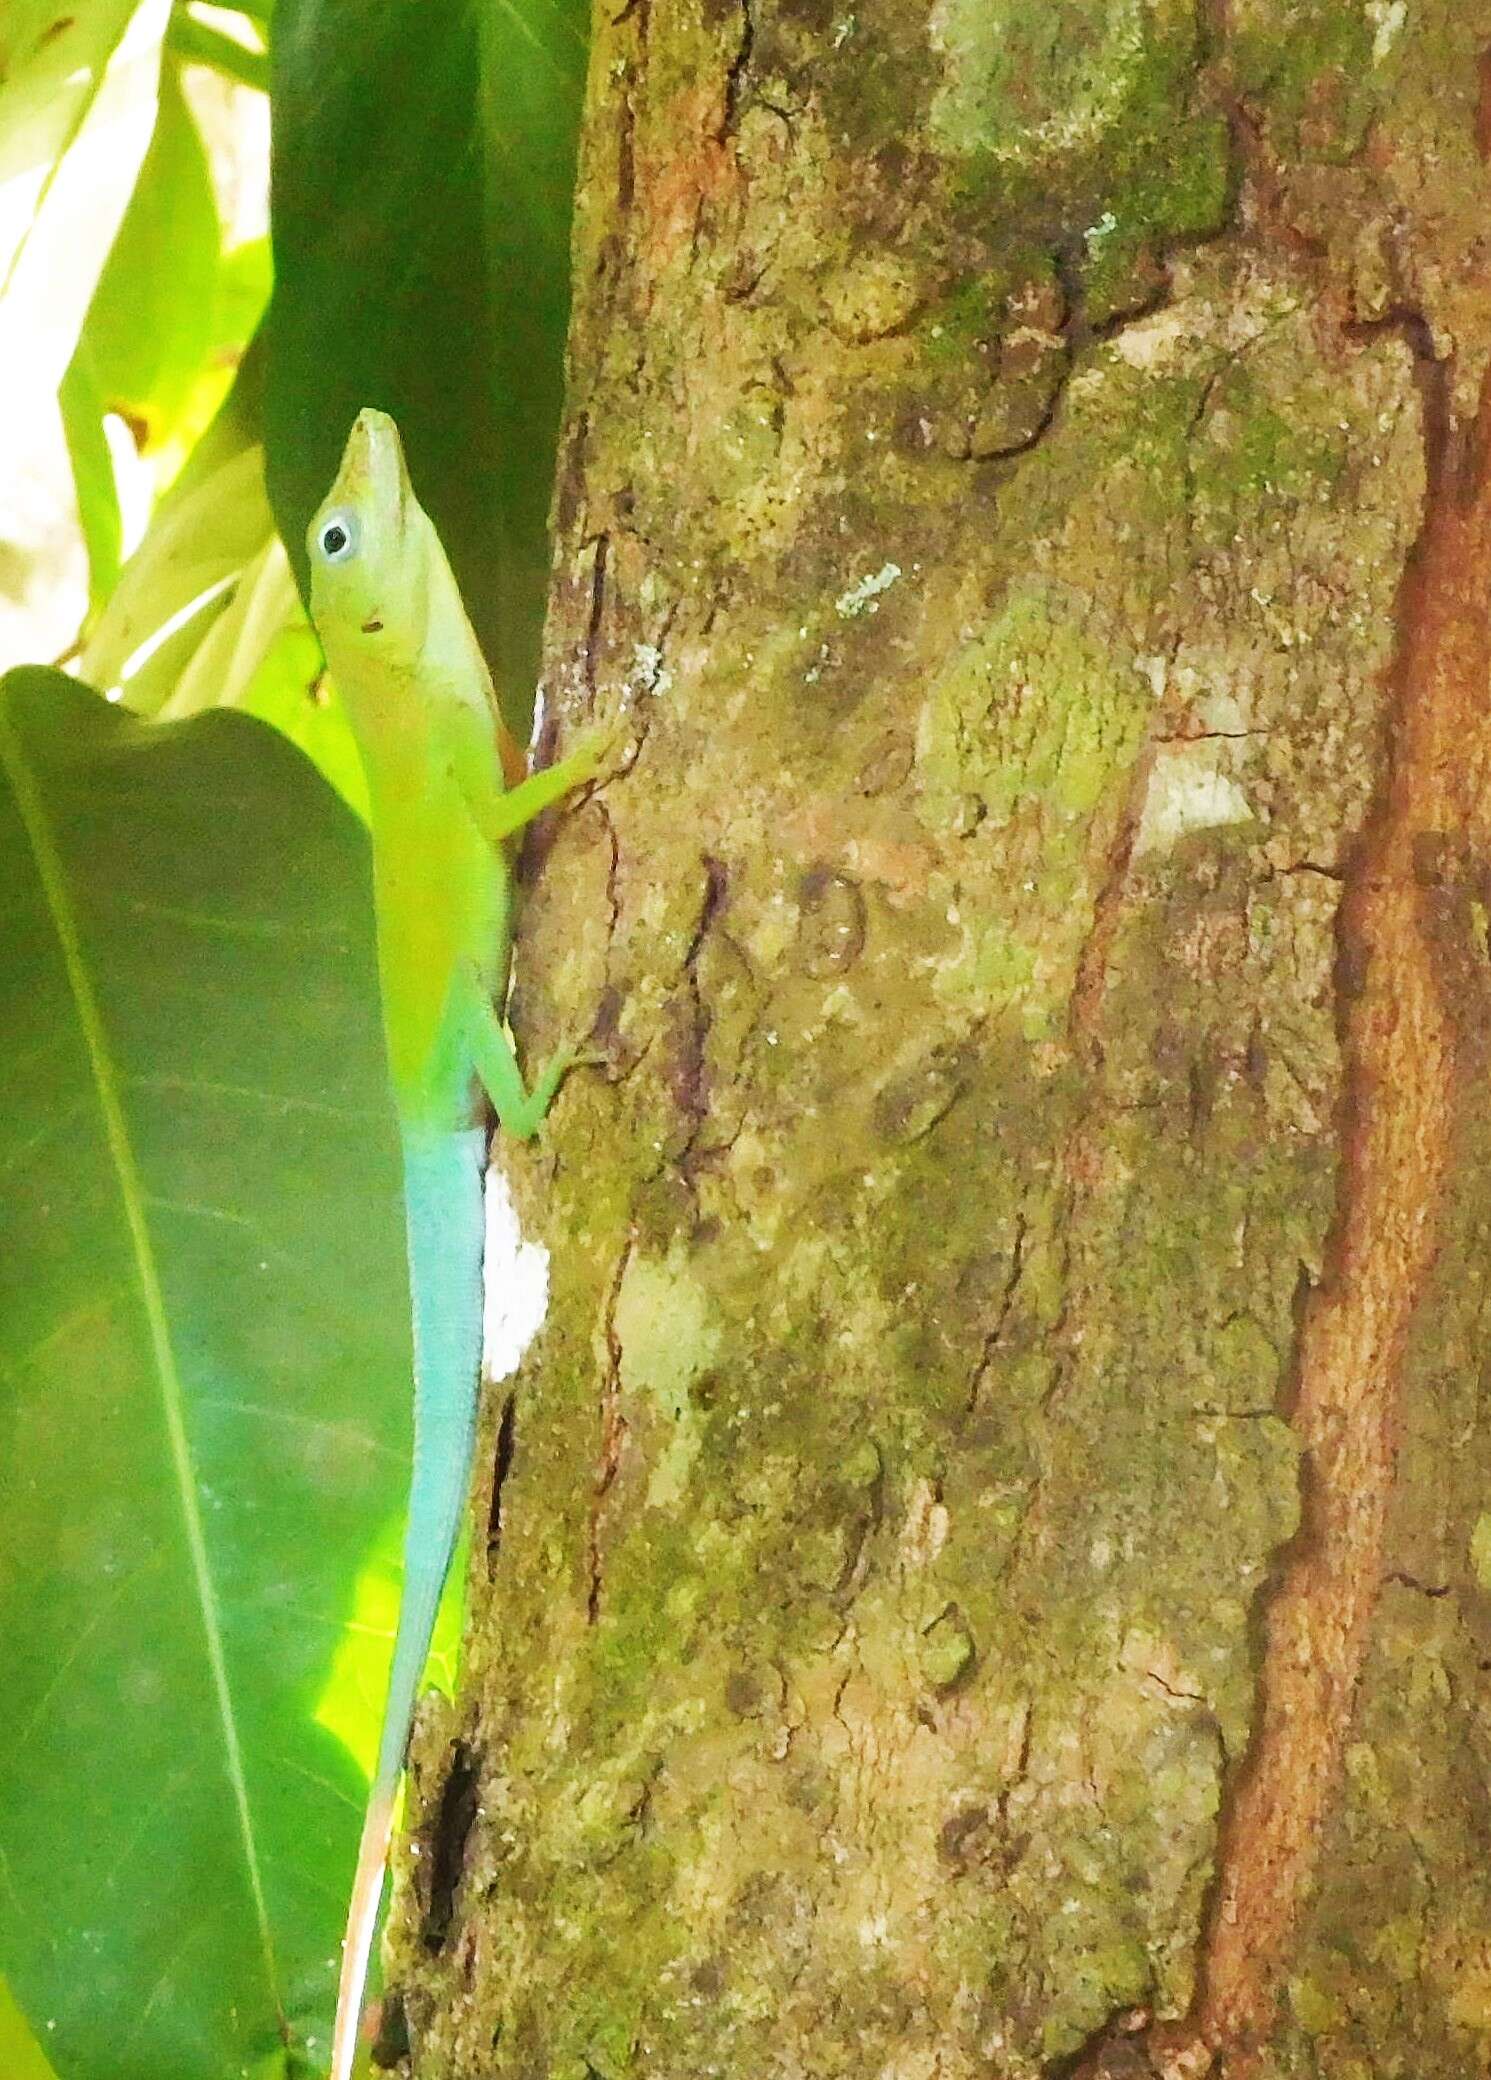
{"x":993,"y":1566}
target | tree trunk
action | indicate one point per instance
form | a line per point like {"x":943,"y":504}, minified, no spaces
{"x":989,"y":1567}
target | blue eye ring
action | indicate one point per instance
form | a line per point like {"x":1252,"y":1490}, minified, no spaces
{"x":338,"y":536}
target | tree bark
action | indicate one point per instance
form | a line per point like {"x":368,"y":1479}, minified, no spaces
{"x":989,"y":1567}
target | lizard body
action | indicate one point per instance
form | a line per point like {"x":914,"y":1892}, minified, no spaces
{"x":437,"y":762}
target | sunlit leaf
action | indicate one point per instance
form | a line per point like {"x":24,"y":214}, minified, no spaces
{"x":197,"y":547}
{"x":228,"y":524}
{"x":261,"y":655}
{"x":150,"y":323}
{"x":93,"y":478}
{"x":55,"y":61}
{"x":238,"y":422}
{"x":351,"y":1705}
{"x":203,"y":1379}
{"x":77,"y":104}
{"x":243,"y":278}
{"x":201,"y":42}
{"x":264,"y":603}
{"x":77,"y":100}
{"x":21,"y":2057}
{"x":422,"y":265}
{"x":291,"y":692}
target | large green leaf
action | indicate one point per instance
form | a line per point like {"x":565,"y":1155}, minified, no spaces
{"x":423,"y":170}
{"x":203,"y":1368}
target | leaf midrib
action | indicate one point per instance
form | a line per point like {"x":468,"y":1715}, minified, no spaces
{"x":54,"y":887}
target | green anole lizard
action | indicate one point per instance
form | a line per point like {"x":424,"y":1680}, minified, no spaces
{"x":442,"y":813}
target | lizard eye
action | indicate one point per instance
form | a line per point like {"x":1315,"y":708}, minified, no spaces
{"x":338,"y":536}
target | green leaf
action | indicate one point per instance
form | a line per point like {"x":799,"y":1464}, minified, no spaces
{"x":189,"y":548}
{"x":422,"y":181}
{"x":264,"y":603}
{"x":93,"y":478}
{"x":201,"y":43}
{"x":55,"y":59}
{"x":196,"y":548}
{"x":243,"y":291}
{"x":238,"y":422}
{"x":291,"y":692}
{"x":150,"y":324}
{"x":21,"y":2057}
{"x":203,"y":1379}
{"x":208,"y":595}
{"x":261,"y":655}
{"x":77,"y":101}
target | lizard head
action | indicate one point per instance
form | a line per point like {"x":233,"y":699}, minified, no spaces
{"x":359,"y":543}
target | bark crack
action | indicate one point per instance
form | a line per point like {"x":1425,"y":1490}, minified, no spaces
{"x":1090,"y":982}
{"x":691,"y":1085}
{"x":445,"y":1845}
{"x":739,"y":66}
{"x":638,"y":12}
{"x":597,"y":610}
{"x":507,"y":1428}
{"x":995,"y":1334}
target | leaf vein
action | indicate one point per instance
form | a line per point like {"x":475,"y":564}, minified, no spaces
{"x":106,"y":1082}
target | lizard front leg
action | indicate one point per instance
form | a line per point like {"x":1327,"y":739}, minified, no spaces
{"x":501,"y":816}
{"x":519,"y":1111}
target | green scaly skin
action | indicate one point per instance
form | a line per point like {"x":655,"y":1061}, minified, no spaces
{"x":420,"y":700}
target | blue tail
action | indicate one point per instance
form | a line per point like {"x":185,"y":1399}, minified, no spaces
{"x":446,"y":1227}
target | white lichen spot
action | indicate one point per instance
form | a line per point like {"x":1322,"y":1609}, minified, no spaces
{"x":859,"y":596}
{"x":515,"y":1283}
{"x":665,"y":1327}
{"x":924,"y":1533}
{"x":1156,"y":669}
{"x":1188,"y":792}
{"x":1151,"y":341}
{"x":648,"y":670}
{"x":1105,"y":227}
{"x":1387,"y":18}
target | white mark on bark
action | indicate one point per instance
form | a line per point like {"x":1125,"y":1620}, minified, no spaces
{"x":1187,"y":792}
{"x":862,"y":598}
{"x":515,"y":1283}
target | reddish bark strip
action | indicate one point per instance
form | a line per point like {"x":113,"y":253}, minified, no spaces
{"x":613,"y":1432}
{"x":1399,"y":1045}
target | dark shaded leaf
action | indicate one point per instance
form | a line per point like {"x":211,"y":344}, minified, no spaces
{"x":423,"y":168}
